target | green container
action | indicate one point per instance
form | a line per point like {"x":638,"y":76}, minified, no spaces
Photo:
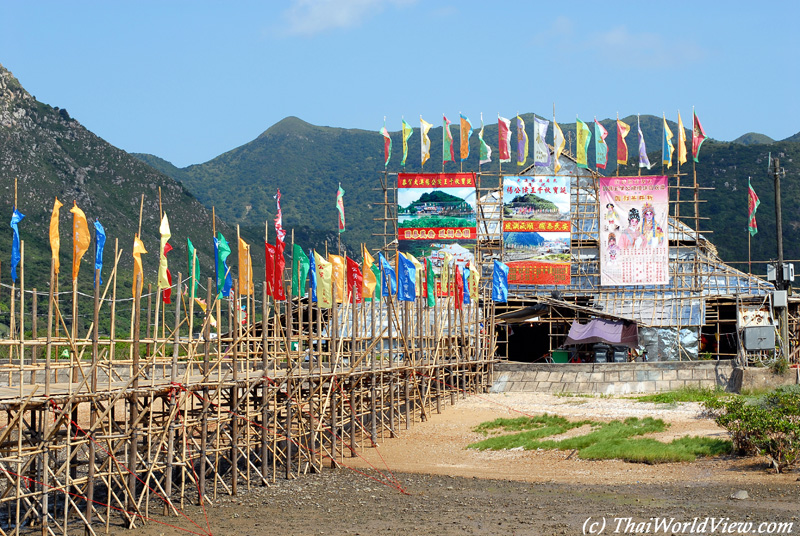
{"x":560,"y":356}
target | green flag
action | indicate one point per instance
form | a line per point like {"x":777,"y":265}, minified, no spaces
{"x":584,"y":137}
{"x":431,"y":279}
{"x":196,"y":274}
{"x":300,"y":267}
{"x":377,"y":272}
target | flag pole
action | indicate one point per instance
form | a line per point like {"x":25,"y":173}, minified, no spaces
{"x":617,"y":125}
{"x":678,"y":172}
{"x":339,"y":234}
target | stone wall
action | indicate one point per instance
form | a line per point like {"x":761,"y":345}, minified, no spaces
{"x":613,"y":378}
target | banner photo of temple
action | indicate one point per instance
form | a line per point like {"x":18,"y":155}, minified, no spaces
{"x":634,"y":212}
{"x":536,"y":229}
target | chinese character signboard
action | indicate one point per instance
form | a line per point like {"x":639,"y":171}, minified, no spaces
{"x":436,"y":215}
{"x":536,"y":229}
{"x":634,"y":246}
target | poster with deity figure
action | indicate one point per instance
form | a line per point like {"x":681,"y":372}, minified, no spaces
{"x":634,"y":242}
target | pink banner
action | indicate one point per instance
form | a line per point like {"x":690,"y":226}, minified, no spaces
{"x":634,"y":242}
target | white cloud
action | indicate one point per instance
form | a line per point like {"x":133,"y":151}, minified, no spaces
{"x":645,"y":50}
{"x":310,"y":17}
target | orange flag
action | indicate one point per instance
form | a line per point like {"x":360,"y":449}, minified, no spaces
{"x":245,"y":269}
{"x":55,"y":237}
{"x":338,"y":276}
{"x":138,"y":274}
{"x":80,"y":238}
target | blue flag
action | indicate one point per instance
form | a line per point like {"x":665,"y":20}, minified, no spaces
{"x":407,"y":290}
{"x":467,"y":299}
{"x":388,"y":277}
{"x":221,"y":252}
{"x":99,"y":244}
{"x":16,"y":217}
{"x":312,"y":271}
{"x":500,"y":282}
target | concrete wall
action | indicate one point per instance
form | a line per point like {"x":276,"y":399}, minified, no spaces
{"x":613,"y":378}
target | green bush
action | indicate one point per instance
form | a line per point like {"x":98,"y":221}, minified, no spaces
{"x":767,"y":426}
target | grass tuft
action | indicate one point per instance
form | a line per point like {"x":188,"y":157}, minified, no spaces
{"x":685,"y":394}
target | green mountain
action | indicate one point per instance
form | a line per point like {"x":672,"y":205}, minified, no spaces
{"x":52,"y":155}
{"x":753,"y":138}
{"x":793,"y":137}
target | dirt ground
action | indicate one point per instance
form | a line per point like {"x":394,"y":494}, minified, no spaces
{"x":426,"y":482}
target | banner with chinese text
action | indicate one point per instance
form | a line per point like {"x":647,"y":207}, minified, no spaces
{"x":436,"y":215}
{"x":536,"y":229}
{"x":634,"y":246}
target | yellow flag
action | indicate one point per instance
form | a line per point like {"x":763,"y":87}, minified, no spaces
{"x":138,"y":273}
{"x":80,"y":239}
{"x":55,"y":237}
{"x":339,"y":275}
{"x":324,"y":276}
{"x":558,"y":145}
{"x":681,"y":141}
{"x":425,"y":146}
{"x":163,"y":281}
{"x":370,"y":281}
{"x":245,"y":269}
{"x":474,"y":279}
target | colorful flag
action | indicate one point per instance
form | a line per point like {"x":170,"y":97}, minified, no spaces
{"x":55,"y":237}
{"x":324,"y":279}
{"x":504,"y":138}
{"x":16,"y":217}
{"x":370,"y":281}
{"x":622,"y":147}
{"x":269,"y":268}
{"x":99,"y":245}
{"x":467,"y":294}
{"x":166,"y":294}
{"x":430,"y":282}
{"x":447,"y":258}
{"x":500,"y":282}
{"x":485,"y":152}
{"x":300,"y":267}
{"x":338,"y":276}
{"x":558,"y":146}
{"x":81,"y":239}
{"x":279,"y":232}
{"x":387,"y":144}
{"x":340,"y":207}
{"x":466,"y":134}
{"x":193,"y":259}
{"x":600,"y":145}
{"x":278,"y":267}
{"x":376,"y":272}
{"x":448,"y":153}
{"x":407,"y":132}
{"x":419,"y":275}
{"x":681,"y":141}
{"x":388,"y":277}
{"x":245,"y":269}
{"x":224,"y":279}
{"x":312,"y":275}
{"x":522,"y":142}
{"x":698,"y":137}
{"x":138,"y":273}
{"x":407,"y":275}
{"x":425,"y":146}
{"x":643,"y":160}
{"x":541,"y":153}
{"x":459,"y":288}
{"x":163,"y":279}
{"x":752,"y":206}
{"x":666,"y":147}
{"x":355,"y":279}
{"x":584,"y":138}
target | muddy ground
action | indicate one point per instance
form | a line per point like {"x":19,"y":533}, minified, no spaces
{"x":426,"y":482}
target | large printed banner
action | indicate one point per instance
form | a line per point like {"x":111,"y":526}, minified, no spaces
{"x":634,"y":246}
{"x":436,"y":215}
{"x":536,"y":229}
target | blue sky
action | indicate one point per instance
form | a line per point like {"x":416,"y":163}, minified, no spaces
{"x":187,"y":81}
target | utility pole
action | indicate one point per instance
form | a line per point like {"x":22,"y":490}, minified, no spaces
{"x":782,"y":279}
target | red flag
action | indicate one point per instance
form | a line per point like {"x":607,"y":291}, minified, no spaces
{"x":459,"y":284}
{"x":622,"y":146}
{"x":279,"y":266}
{"x":269,"y":268}
{"x":504,"y":138}
{"x":354,"y":277}
{"x":698,"y":137}
{"x":423,"y":280}
{"x":166,"y":294}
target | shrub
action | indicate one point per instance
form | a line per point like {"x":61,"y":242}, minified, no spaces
{"x":767,"y":426}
